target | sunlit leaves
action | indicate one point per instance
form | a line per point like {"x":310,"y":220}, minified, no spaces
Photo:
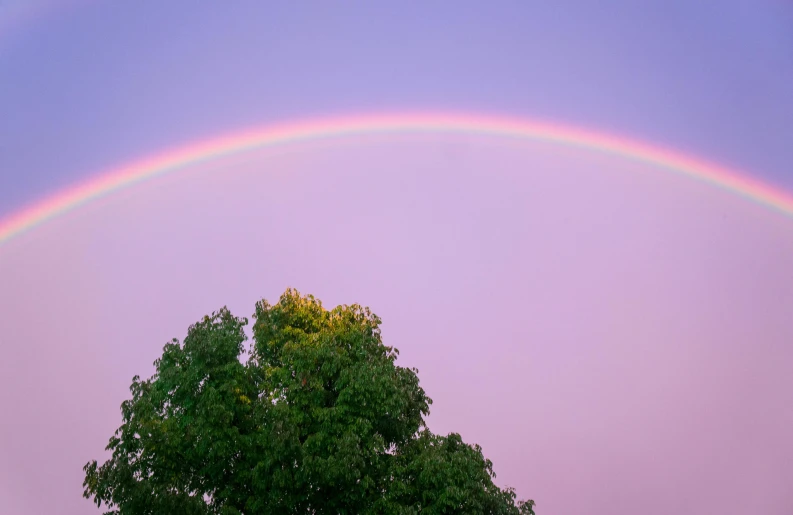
{"x":320,"y":419}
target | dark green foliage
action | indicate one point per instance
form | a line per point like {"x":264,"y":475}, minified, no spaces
{"x":319,"y":420}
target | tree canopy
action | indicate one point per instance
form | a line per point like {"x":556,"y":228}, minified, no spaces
{"x":318,"y":419}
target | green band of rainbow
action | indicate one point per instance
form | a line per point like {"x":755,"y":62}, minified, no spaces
{"x":128,"y":175}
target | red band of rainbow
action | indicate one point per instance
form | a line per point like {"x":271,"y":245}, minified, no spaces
{"x":127,"y":175}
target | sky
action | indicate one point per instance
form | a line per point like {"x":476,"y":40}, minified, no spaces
{"x":615,"y":337}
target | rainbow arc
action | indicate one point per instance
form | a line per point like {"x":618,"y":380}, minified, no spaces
{"x":104,"y":184}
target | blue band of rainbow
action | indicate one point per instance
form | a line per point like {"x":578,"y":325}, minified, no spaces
{"x":127,"y":175}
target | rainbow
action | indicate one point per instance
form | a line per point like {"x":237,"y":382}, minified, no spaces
{"x":148,"y":168}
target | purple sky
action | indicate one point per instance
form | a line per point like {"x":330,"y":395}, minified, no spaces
{"x":616,"y":338}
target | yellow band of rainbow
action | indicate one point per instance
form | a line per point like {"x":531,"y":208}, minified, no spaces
{"x":279,"y":134}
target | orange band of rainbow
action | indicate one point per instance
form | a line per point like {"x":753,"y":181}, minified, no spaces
{"x":130,"y":174}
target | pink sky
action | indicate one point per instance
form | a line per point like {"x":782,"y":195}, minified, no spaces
{"x":618,"y":339}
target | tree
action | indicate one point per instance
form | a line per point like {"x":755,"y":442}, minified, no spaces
{"x":319,"y":419}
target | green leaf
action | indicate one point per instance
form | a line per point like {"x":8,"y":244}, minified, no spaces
{"x":319,"y":419}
